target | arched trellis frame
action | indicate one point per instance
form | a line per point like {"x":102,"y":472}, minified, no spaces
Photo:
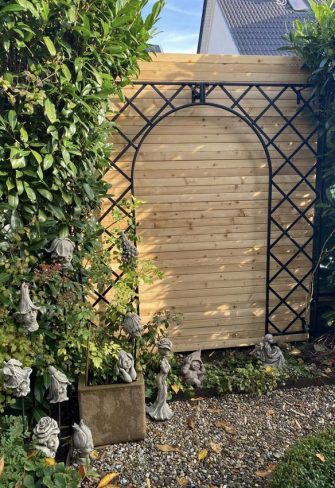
{"x":198,"y":94}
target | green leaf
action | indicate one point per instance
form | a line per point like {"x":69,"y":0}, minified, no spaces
{"x":28,"y":481}
{"x":4,"y":277}
{"x":50,"y":45}
{"x":37,"y":156}
{"x":66,"y":72}
{"x":23,"y":134}
{"x":30,"y":193}
{"x":45,"y":193}
{"x":19,"y":186}
{"x":88,"y":190}
{"x":12,"y":119}
{"x":28,"y":6}
{"x":48,"y":161}
{"x":16,"y":158}
{"x":50,"y":110}
{"x":13,"y":201}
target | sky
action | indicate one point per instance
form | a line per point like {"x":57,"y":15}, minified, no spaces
{"x":179,"y":25}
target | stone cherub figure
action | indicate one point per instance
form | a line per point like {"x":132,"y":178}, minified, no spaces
{"x":82,"y":443}
{"x":160,"y":410}
{"x":16,"y":378}
{"x":58,"y":386}
{"x":193,"y":369}
{"x":27,"y":313}
{"x":269,"y":353}
{"x":61,"y":250}
{"x":125,"y":368}
{"x":45,"y":435}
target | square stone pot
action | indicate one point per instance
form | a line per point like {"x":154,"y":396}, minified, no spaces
{"x":115,"y":413}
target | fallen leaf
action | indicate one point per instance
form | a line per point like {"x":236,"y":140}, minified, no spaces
{"x":167,"y":448}
{"x":215,"y":447}
{"x":321,"y":457}
{"x":268,"y":369}
{"x":191,"y":421}
{"x":202,"y":454}
{"x":295,"y":352}
{"x":82,"y":471}
{"x":266,"y":472}
{"x":105,"y":480}
{"x":50,"y":461}
{"x":94,"y":455}
{"x":197,"y":399}
{"x":2,"y":465}
{"x":175,"y":388}
{"x":297,"y":424}
{"x":227,"y":427}
{"x":270,"y":413}
{"x":214,"y":410}
{"x":182,"y":482}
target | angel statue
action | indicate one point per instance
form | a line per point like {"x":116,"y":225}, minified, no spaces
{"x":160,"y":410}
{"x":193,"y":369}
{"x":82,"y":443}
{"x":62,"y":249}
{"x":27,"y":313}
{"x":16,"y":378}
{"x":125,"y":368}
{"x":58,"y":386}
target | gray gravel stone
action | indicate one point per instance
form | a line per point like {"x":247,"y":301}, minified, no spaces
{"x":263,"y":428}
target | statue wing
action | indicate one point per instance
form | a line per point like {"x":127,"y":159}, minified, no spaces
{"x":61,"y":377}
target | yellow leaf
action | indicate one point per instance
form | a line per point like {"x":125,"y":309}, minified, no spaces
{"x":105,"y":481}
{"x":321,"y":457}
{"x":268,"y":369}
{"x":215,"y":447}
{"x":2,"y":465}
{"x":94,"y":455}
{"x":214,"y":410}
{"x":202,"y":454}
{"x":167,"y":448}
{"x":175,"y":388}
{"x":182,"y":482}
{"x":49,"y":461}
{"x":295,"y":352}
{"x":197,"y":399}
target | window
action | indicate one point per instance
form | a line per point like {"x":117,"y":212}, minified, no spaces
{"x":298,"y":5}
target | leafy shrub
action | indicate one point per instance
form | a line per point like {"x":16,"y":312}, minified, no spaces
{"x":12,"y":450}
{"x":310,"y":463}
{"x":61,"y":61}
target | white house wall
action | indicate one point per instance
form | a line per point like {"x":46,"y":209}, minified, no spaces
{"x":216,"y":38}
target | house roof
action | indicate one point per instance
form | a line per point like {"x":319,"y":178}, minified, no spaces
{"x":257,"y":26}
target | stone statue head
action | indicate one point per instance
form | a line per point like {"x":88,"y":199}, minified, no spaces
{"x":62,"y":249}
{"x":46,"y":434}
{"x":16,"y":378}
{"x":164,"y":346}
{"x":125,"y":360}
{"x":268,"y":338}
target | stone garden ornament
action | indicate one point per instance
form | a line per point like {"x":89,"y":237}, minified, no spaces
{"x":132,"y":325}
{"x":82,"y":443}
{"x":45,"y":435}
{"x":61,"y":250}
{"x":16,"y":378}
{"x":160,"y":410}
{"x":129,"y":253}
{"x":27,"y":313}
{"x":58,"y":386}
{"x":193,"y":369}
{"x":125,"y":368}
{"x":269,"y":353}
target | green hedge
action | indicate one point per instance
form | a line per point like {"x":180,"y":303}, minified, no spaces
{"x":310,"y":463}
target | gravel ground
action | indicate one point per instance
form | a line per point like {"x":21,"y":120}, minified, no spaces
{"x":244,"y":437}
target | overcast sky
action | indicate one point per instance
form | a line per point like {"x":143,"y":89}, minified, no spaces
{"x":178,"y":27}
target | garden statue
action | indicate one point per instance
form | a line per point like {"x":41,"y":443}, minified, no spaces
{"x":125,"y":368}
{"x":62,"y":249}
{"x":268,"y":353}
{"x":193,"y":369}
{"x":132,"y":325}
{"x":45,"y":435}
{"x":58,"y":386}
{"x":27,"y":313}
{"x":82,"y":443}
{"x":160,"y":410}
{"x":16,"y":377}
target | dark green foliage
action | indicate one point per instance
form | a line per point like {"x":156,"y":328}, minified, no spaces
{"x":61,"y":61}
{"x":11,"y":450}
{"x":310,"y":463}
{"x":314,"y":41}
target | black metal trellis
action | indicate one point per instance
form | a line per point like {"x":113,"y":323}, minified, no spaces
{"x":202,"y":94}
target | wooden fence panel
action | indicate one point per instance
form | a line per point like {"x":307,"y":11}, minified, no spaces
{"x":203,"y":178}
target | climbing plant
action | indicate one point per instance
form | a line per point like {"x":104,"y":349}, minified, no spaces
{"x":61,"y":61}
{"x":314,"y":42}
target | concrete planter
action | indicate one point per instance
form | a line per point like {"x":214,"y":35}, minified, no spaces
{"x":115,"y":413}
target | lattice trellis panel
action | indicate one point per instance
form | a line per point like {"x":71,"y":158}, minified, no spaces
{"x":266,"y":110}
